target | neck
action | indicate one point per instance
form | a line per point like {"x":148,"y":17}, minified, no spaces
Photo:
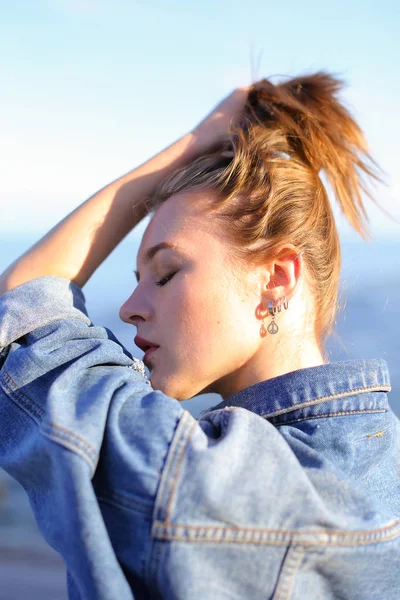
{"x":269,"y":363}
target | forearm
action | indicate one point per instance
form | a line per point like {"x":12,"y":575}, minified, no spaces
{"x":78,"y":244}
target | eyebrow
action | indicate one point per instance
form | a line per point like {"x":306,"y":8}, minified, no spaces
{"x":151,"y":252}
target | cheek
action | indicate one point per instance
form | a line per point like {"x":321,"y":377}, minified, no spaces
{"x":177,"y":309}
{"x":205,"y":314}
{"x":212,"y":317}
{"x":193,"y":312}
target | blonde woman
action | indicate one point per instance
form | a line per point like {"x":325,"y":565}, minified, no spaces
{"x":289,"y":488}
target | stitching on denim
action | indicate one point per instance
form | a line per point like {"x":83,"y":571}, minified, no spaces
{"x":65,"y":434}
{"x":21,"y":400}
{"x":8,"y":383}
{"x":165,"y":496}
{"x":72,"y":447}
{"x":290,"y":567}
{"x":370,"y":388}
{"x":169,"y":475}
{"x":335,"y":414}
{"x":276,"y":537}
{"x":176,"y":471}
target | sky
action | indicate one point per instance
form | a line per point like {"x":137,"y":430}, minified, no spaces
{"x":90,"y":89}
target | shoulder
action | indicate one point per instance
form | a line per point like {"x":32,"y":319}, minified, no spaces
{"x":236,"y":462}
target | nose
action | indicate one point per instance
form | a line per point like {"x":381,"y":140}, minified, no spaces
{"x":135,"y":308}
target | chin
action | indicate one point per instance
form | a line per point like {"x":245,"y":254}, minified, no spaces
{"x":166,"y":388}
{"x":167,"y":385}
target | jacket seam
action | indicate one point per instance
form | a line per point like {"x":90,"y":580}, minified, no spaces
{"x":166,"y":530}
{"x":8,"y":384}
{"x":334,"y":414}
{"x":276,"y":537}
{"x":56,"y":433}
{"x":65,"y":435}
{"x":176,"y":470}
{"x":290,"y":567}
{"x":165,"y":493}
{"x":320,"y":399}
{"x":165,"y":488}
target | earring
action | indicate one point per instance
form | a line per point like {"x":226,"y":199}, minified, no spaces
{"x":272,"y":327}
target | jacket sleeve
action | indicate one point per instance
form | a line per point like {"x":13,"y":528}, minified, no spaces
{"x":140,"y":498}
{"x":80,"y":420}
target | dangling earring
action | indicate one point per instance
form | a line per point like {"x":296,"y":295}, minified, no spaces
{"x":272,"y":327}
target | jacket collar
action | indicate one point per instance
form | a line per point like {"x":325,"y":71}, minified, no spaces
{"x":324,"y":390}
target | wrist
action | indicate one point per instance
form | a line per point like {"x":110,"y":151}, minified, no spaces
{"x":195,"y":144}
{"x":205,"y":138}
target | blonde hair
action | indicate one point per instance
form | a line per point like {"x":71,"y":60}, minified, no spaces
{"x":266,"y":184}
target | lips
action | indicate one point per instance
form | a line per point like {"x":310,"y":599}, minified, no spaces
{"x":146,"y":354}
{"x":144,"y":344}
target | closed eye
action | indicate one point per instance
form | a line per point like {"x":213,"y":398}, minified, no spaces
{"x":165,"y":280}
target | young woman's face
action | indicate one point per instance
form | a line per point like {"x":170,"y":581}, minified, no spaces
{"x":193,"y":303}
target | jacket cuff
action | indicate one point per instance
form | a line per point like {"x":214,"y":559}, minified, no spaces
{"x":37,"y":303}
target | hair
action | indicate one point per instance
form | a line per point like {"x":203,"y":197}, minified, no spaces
{"x":265,"y":178}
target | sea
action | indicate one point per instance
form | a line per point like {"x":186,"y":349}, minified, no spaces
{"x":368,"y":326}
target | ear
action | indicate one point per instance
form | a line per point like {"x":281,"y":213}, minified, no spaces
{"x":283,"y":275}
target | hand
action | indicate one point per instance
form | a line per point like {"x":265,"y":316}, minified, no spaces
{"x":212,"y":130}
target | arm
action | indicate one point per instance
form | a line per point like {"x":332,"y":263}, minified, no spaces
{"x":59,"y":389}
{"x":77,"y":246}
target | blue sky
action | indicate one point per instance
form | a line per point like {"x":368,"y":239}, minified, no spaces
{"x":90,"y":89}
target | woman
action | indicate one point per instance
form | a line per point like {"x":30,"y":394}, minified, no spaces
{"x":289,"y":488}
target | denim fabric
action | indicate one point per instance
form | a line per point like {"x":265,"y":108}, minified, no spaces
{"x":289,"y":489}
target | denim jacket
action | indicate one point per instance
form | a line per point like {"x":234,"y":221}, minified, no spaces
{"x":289,"y":489}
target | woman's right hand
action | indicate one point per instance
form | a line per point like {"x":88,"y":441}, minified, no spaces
{"x":215,"y":127}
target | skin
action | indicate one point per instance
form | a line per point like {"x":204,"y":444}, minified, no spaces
{"x":207,"y":319}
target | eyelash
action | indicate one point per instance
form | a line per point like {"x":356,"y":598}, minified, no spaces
{"x":165,"y":280}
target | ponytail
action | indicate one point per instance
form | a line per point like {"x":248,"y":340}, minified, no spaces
{"x":320,"y":131}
